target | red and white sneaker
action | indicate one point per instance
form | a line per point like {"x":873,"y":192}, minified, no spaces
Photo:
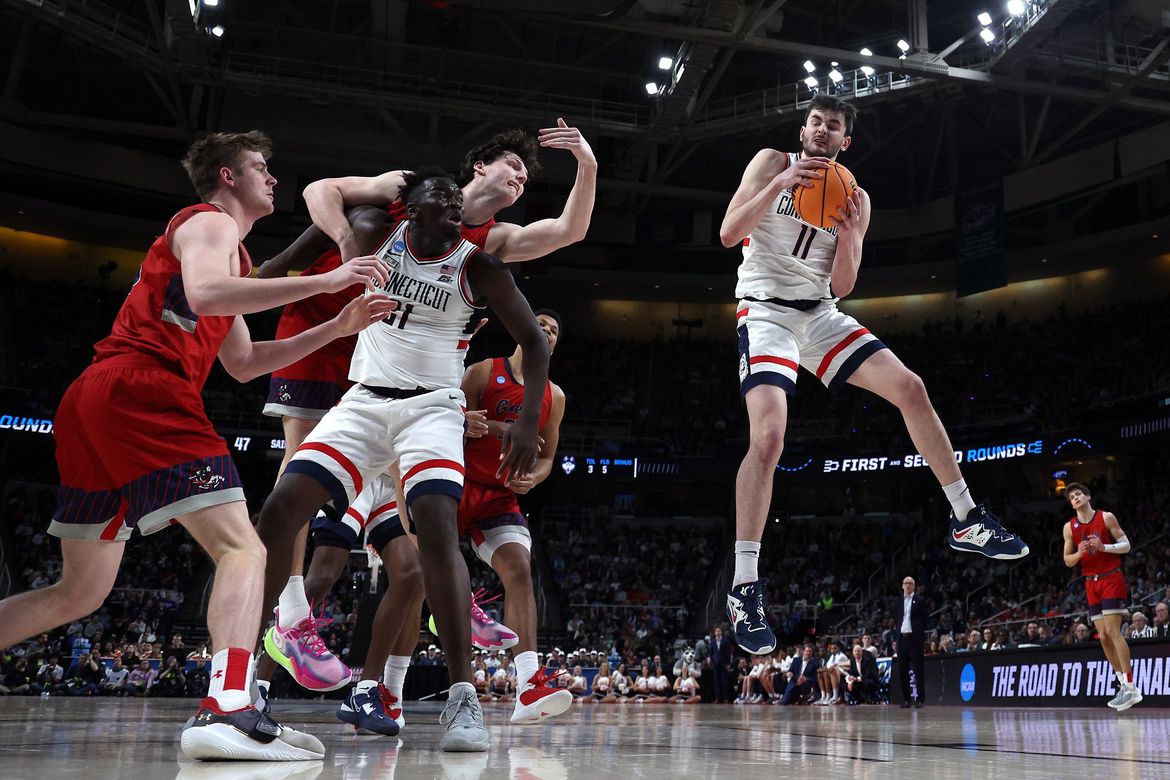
{"x":487,"y":634}
{"x":537,"y":701}
{"x":392,"y":705}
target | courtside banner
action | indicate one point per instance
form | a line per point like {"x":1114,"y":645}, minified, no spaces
{"x":1065,"y":676}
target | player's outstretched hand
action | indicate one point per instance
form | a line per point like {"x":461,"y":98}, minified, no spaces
{"x":522,"y":485}
{"x":802,"y":172}
{"x":518,"y":451}
{"x":564,"y":137}
{"x":363,"y":311}
{"x":368,"y":270}
{"x":476,"y":424}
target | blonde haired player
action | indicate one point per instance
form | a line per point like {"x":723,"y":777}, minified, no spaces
{"x":790,"y":278}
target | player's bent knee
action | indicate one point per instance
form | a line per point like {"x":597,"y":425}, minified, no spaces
{"x":912,"y":391}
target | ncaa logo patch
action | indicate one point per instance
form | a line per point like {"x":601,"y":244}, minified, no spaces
{"x":500,"y":380}
{"x":399,"y":246}
{"x":967,"y":683}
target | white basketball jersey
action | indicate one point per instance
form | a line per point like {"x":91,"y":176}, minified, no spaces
{"x":785,"y":257}
{"x":422,"y":343}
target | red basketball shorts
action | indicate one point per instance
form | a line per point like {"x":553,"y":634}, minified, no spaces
{"x":1107,"y":596}
{"x":135,"y":450}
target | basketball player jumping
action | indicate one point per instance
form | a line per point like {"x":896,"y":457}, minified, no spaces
{"x":493,"y":178}
{"x":1105,"y":589}
{"x":407,"y":408}
{"x":136,"y":450}
{"x":790,"y":279}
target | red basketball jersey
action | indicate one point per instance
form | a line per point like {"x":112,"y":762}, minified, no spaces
{"x":504,"y":400}
{"x":302,"y":315}
{"x":156,"y":319}
{"x":1094,"y":562}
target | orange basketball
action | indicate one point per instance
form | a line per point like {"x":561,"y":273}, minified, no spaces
{"x":817,"y":203}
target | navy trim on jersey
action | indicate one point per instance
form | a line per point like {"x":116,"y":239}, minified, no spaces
{"x":323,"y":477}
{"x":854,"y":362}
{"x":508,"y":368}
{"x":433,"y":487}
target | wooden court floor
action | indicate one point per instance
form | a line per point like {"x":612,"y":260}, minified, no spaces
{"x":96,"y":739}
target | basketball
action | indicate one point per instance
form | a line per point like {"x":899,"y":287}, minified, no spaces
{"x":817,"y":203}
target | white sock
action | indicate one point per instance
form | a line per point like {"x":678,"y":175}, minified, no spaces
{"x":257,"y":687}
{"x":747,"y":559}
{"x":526,"y":666}
{"x":960,"y":497}
{"x":394,"y":675}
{"x":231,"y":679}
{"x":293,"y":605}
{"x":362,"y":686}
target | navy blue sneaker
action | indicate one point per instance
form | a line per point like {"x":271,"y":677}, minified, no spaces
{"x":364,"y":711}
{"x":749,"y":623}
{"x":982,"y":533}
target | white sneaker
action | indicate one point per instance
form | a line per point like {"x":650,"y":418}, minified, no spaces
{"x":1133,"y":696}
{"x":463,"y":718}
{"x":244,"y":735}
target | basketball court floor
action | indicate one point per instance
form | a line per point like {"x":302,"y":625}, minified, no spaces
{"x":127,"y":738}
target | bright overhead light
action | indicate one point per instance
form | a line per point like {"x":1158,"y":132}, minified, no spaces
{"x":808,"y":66}
{"x":1016,"y":7}
{"x":905,"y":47}
{"x":984,"y":18}
{"x":665,"y":63}
{"x":987,"y":35}
{"x":811,"y":82}
{"x":865,"y":52}
{"x":651,"y":88}
{"x":211,"y":3}
{"x":868,"y":71}
{"x":835,"y":75}
{"x":217,"y":31}
{"x":834,"y":63}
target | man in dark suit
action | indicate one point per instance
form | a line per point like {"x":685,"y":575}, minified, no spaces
{"x":802,"y":678}
{"x":721,"y":658}
{"x":862,"y":678}
{"x":910,"y":622}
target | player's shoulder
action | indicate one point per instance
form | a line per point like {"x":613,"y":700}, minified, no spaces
{"x":769,"y":159}
{"x":557,"y":393}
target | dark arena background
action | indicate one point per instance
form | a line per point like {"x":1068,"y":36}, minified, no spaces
{"x":1017,"y":260}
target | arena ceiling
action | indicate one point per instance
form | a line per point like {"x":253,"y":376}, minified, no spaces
{"x":360,"y":86}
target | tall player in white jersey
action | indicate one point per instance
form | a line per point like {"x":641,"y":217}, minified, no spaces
{"x":790,"y":279}
{"x":407,"y":407}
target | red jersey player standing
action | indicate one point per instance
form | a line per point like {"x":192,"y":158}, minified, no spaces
{"x":490,"y":515}
{"x":1094,"y":539}
{"x":135,"y":448}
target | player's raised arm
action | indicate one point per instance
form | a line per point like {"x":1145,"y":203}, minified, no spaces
{"x":207,"y":248}
{"x":298,"y":256}
{"x":766,"y":176}
{"x":544,"y":236}
{"x":328,"y":199}
{"x":493,"y":283}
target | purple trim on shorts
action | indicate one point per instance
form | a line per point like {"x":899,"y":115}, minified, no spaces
{"x":1107,"y":605}
{"x":502,"y":521}
{"x":86,"y":507}
{"x":322,"y":476}
{"x":385,"y":532}
{"x":435,"y":487}
{"x":164,"y":487}
{"x":302,"y":394}
{"x":853,"y":362}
